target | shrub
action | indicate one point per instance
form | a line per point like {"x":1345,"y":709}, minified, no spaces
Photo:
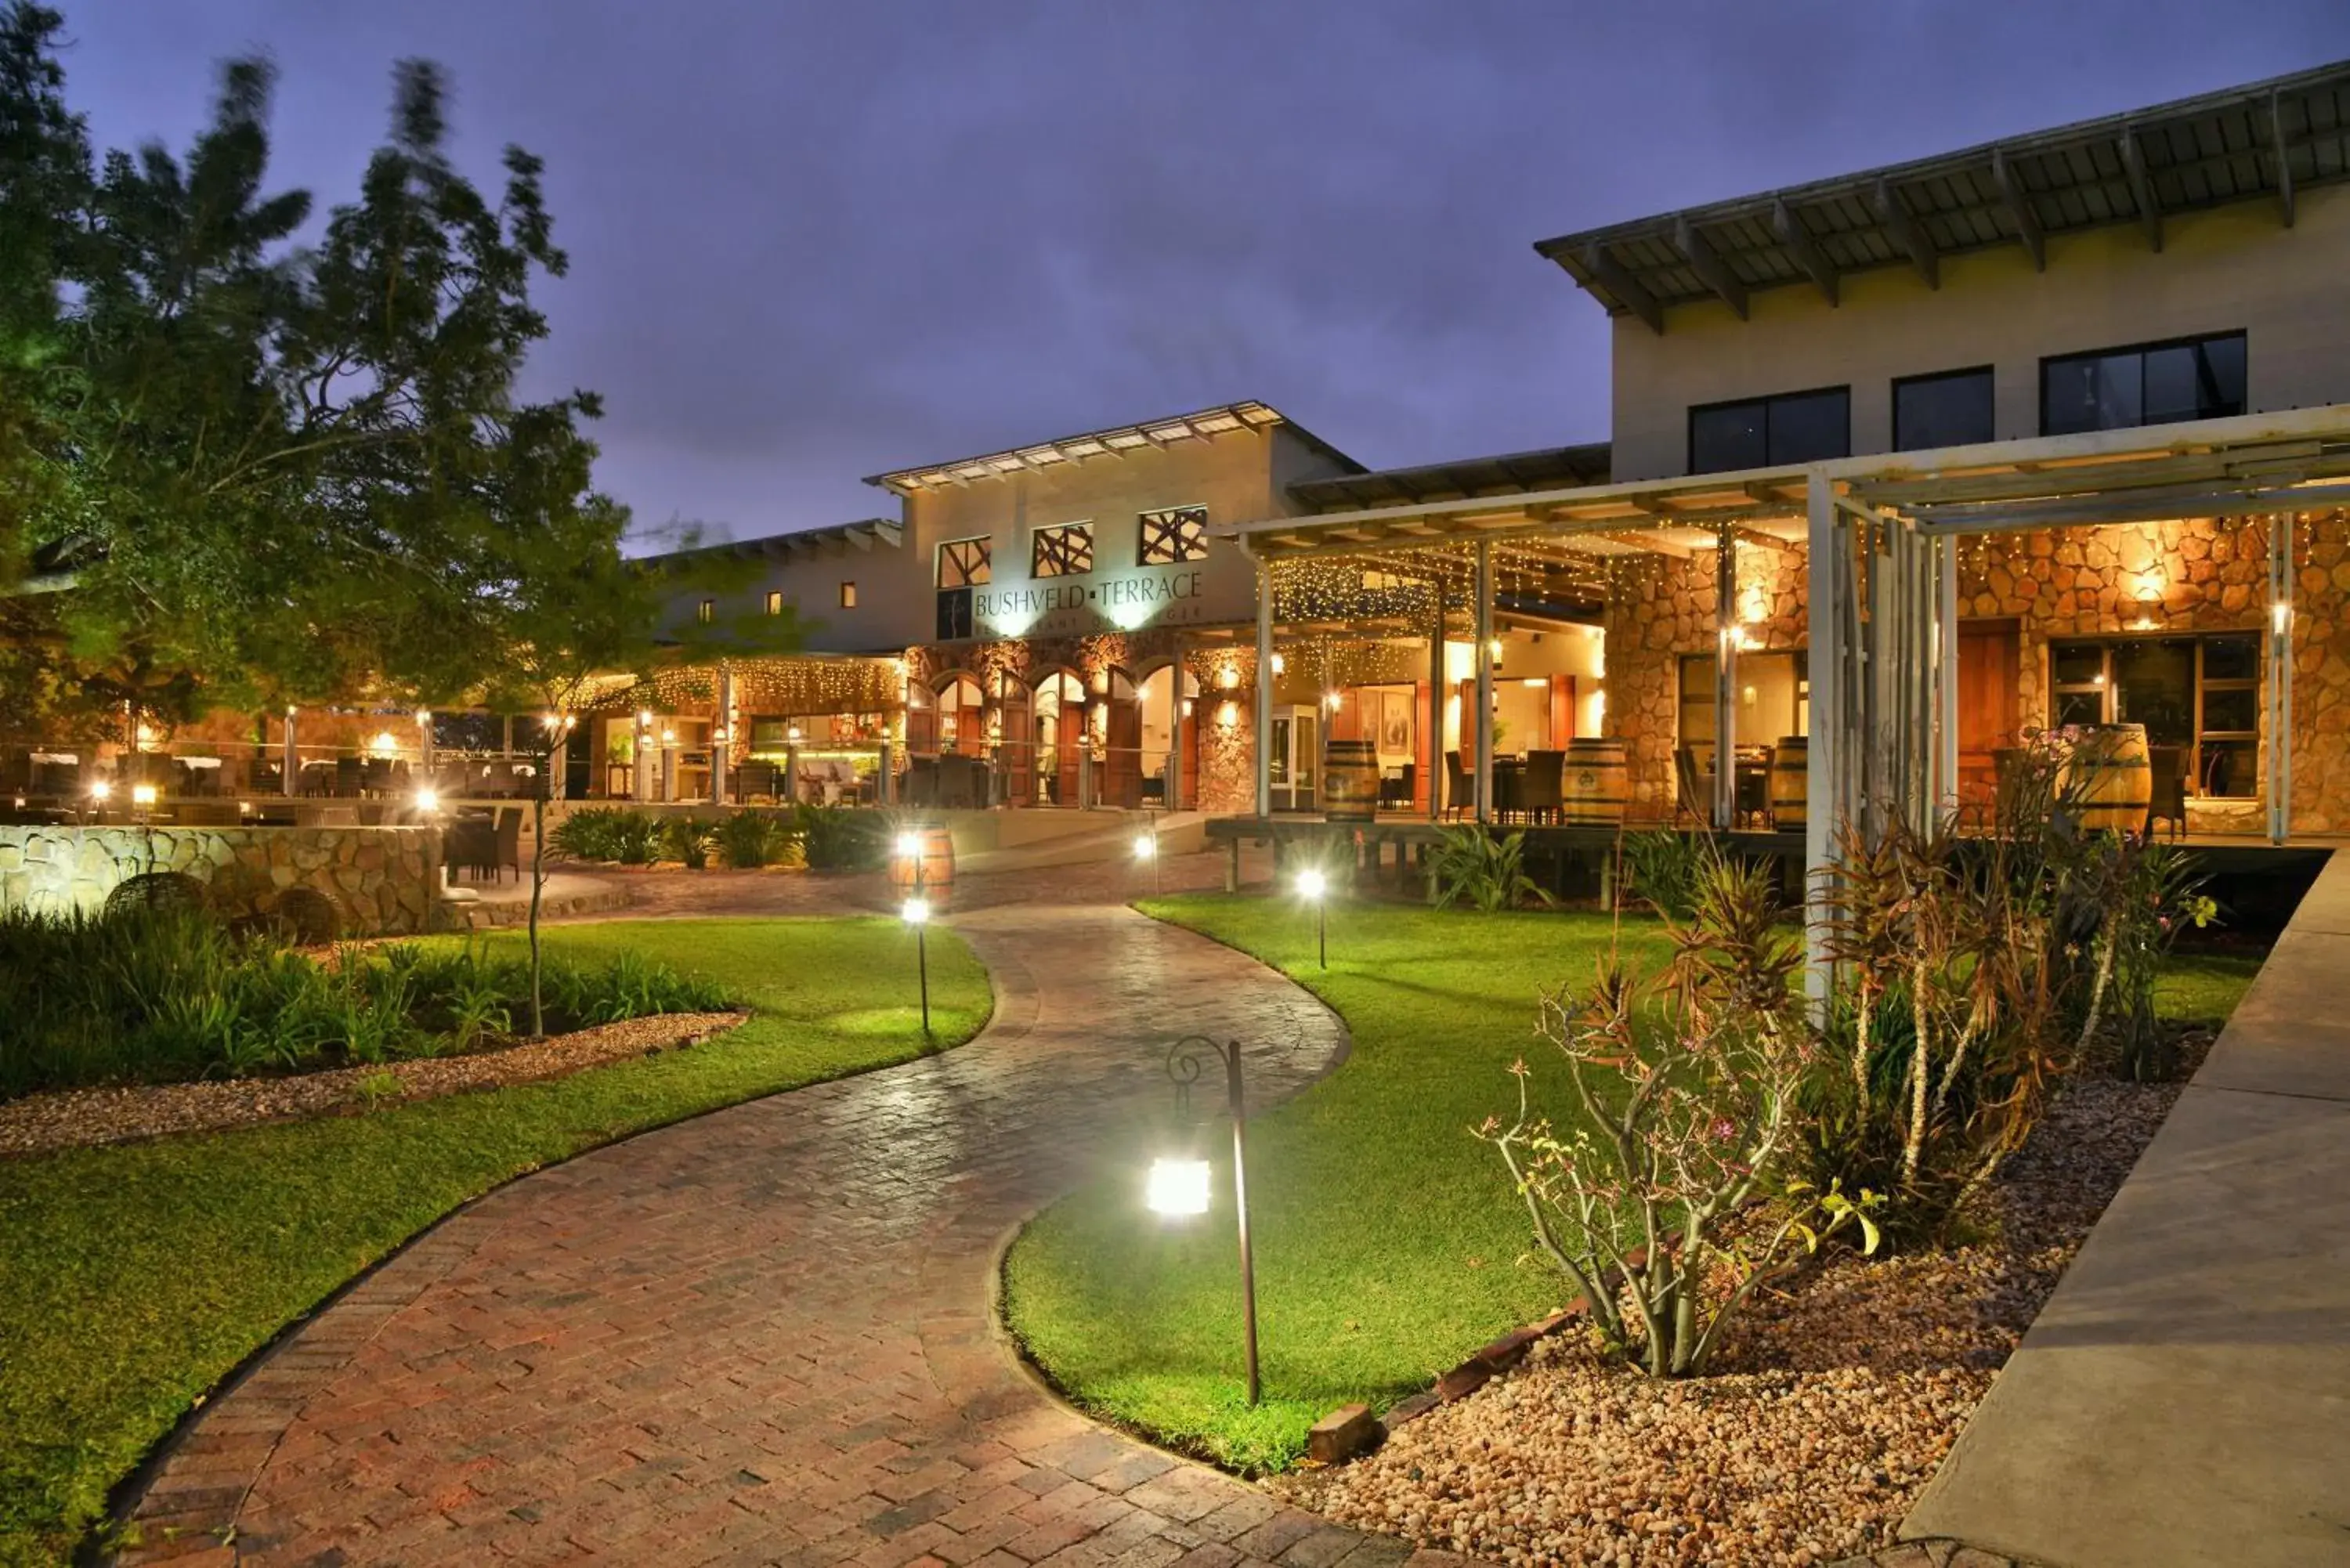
{"x":607,"y":832}
{"x":1682,"y":1124}
{"x":161,"y":995}
{"x":838,"y":838}
{"x":750,"y":839}
{"x":1485,"y":870}
{"x":687,"y":839}
{"x":1662,"y":868}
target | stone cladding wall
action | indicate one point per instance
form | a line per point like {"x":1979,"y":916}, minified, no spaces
{"x":381,"y":879}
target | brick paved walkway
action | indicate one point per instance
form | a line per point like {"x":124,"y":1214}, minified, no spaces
{"x":763,"y":1335}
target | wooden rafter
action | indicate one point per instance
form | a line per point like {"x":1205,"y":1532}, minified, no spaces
{"x":2141,"y":184}
{"x":2020,"y":209}
{"x":1789,"y":228}
{"x":1909,"y":233}
{"x":1710,"y":266}
{"x":2283,"y":154}
{"x":1617,"y":280}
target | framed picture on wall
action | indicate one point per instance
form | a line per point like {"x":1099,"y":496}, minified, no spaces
{"x":1395,"y":723}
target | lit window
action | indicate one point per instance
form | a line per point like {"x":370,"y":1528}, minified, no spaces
{"x":1066,"y":551}
{"x":706,"y":612}
{"x":775,"y":601}
{"x":965,"y":563}
{"x":1176,"y":534}
{"x":847,"y":596}
{"x":2153,"y":384}
{"x":1766,"y":432}
{"x":2200,"y":695}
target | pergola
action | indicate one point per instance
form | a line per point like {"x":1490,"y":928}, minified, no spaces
{"x":1882,"y":532}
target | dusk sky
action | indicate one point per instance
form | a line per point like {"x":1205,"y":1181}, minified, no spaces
{"x":812,"y":241}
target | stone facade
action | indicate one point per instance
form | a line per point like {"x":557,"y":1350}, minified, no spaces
{"x":2185,"y":577}
{"x":1664,"y":610}
{"x":379,"y":880}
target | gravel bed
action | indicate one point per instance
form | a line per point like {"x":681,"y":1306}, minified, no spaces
{"x":75,"y":1119}
{"x":1832,"y":1404}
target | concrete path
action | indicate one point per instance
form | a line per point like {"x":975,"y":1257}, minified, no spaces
{"x":764,"y":1336}
{"x":2184,"y":1397}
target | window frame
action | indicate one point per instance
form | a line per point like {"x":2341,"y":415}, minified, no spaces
{"x":706,"y":612}
{"x":1049,"y":555}
{"x":2193,"y":340}
{"x":973,"y":573}
{"x":1765,"y":402}
{"x":1990,"y":386}
{"x":2102,"y":685}
{"x":848,"y":593}
{"x":775,"y":601}
{"x":1171,"y":520}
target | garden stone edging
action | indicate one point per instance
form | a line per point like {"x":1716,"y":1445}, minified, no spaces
{"x":83,"y":1119}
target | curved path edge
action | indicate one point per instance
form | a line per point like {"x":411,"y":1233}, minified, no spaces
{"x":767,"y":1335}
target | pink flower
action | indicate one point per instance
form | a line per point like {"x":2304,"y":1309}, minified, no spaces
{"x":1724,"y":1129}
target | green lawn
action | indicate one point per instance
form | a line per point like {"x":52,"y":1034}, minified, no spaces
{"x":1388,"y":1244}
{"x":133,"y":1278}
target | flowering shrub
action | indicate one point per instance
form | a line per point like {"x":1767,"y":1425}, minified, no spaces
{"x":1687,"y":1089}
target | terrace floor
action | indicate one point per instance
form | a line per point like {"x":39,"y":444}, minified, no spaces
{"x":2185,"y":1395}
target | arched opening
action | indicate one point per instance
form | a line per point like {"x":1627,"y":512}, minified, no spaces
{"x":1058,"y":725}
{"x":962,"y":716}
{"x":1169,"y":737}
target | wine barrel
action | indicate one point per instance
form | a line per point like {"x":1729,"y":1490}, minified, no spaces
{"x":1350,"y":782}
{"x":1593,"y":782}
{"x":1791,"y":779}
{"x":928,"y":871}
{"x":2110,"y":777}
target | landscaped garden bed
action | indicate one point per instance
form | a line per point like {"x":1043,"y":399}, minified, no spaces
{"x":138,"y":1275}
{"x":1392,"y":1242}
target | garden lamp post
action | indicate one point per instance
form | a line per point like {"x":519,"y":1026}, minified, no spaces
{"x":1177,"y":1187}
{"x":916,"y":912}
{"x":1314,"y":887}
{"x":1146,"y":847}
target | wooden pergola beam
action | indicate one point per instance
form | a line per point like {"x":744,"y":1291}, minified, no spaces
{"x":2141,"y":184}
{"x":1710,"y":267}
{"x":1617,"y":280}
{"x":2019,"y":207}
{"x":1909,"y":232}
{"x":1789,"y":228}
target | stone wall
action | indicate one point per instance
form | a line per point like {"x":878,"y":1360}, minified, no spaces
{"x":1663,"y":610}
{"x":2186,"y":577}
{"x":379,"y":880}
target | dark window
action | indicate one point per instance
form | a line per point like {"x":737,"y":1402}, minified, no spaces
{"x":1764,"y":433}
{"x":1177,"y":533}
{"x":954,"y":614}
{"x":1066,"y":551}
{"x":2154,"y":384}
{"x":1953,"y":409}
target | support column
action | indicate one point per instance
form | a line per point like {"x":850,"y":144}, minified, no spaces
{"x":289,"y":765}
{"x":2279,"y":685}
{"x":1438,"y":776}
{"x":1484,"y":681}
{"x":640,"y":784}
{"x":1264,"y":686}
{"x":1825,"y":756}
{"x":1725,"y":681}
{"x":1946,"y":672}
{"x":721,"y":735}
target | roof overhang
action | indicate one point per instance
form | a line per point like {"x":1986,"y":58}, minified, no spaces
{"x":2267,"y":141}
{"x":1119,"y":441}
{"x":807,"y":544}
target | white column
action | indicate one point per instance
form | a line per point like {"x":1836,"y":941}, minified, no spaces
{"x":1825,"y":755}
{"x":721,"y":735}
{"x":1437,"y":776}
{"x":2279,"y":685}
{"x":1484,"y":681}
{"x":290,"y":764}
{"x":641,"y":784}
{"x":1725,"y":681}
{"x":1264,"y":688}
{"x":1946,"y":670}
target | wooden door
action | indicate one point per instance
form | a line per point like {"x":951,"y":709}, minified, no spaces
{"x":1125,"y":761}
{"x":1990,"y":666}
{"x":921,"y":727}
{"x":1018,"y":763}
{"x":1072,"y":738}
{"x":1427,"y":766}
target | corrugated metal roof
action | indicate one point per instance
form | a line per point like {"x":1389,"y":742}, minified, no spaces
{"x":2269,"y":140}
{"x":1508,"y":473}
{"x":1139,"y":437}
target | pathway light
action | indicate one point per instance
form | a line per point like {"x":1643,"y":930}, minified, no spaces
{"x":1314,"y":888}
{"x":1179,"y":1184}
{"x":916,"y":912}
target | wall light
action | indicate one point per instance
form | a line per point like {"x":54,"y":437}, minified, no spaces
{"x":1279,"y":664}
{"x":2281,"y":616}
{"x":1228,"y":714}
{"x":1228,"y":677}
{"x":143,"y":794}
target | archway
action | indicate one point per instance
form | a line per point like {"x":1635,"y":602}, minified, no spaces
{"x":1169,"y":737}
{"x":962,"y":715}
{"x":1058,"y":726}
